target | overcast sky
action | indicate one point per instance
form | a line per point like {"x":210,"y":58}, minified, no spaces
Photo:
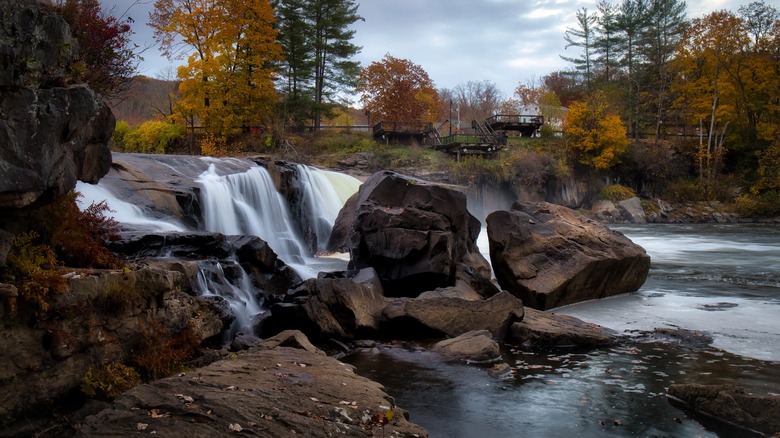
{"x":455,"y":41}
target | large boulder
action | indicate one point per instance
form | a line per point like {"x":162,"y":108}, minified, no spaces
{"x":266,"y":392}
{"x":52,"y":133}
{"x":550,"y":256}
{"x":415,"y":234}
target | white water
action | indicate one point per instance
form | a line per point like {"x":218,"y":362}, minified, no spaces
{"x":123,"y":212}
{"x":238,"y":197}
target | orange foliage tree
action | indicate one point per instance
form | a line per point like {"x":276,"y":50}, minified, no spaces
{"x":596,"y":137}
{"x":398,"y":90}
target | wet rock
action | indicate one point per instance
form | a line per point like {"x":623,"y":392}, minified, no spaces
{"x":413,"y":233}
{"x":730,"y":404}
{"x":543,"y":329}
{"x":328,"y":307}
{"x":262,"y":392}
{"x":477,"y":346}
{"x":550,"y":256}
{"x":451,"y":316}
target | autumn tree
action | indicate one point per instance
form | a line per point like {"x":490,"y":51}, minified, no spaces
{"x":710,"y":49}
{"x":396,"y":89}
{"x":107,"y":58}
{"x":594,"y":136}
{"x":230,"y":45}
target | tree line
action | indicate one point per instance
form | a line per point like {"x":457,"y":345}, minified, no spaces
{"x":639,"y":67}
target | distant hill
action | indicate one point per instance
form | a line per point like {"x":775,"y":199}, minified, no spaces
{"x":146,"y":99}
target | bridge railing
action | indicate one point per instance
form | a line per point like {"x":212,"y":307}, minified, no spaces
{"x":529,"y":119}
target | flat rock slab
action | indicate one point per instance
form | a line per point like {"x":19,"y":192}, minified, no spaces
{"x":543,"y":329}
{"x":269,"y":393}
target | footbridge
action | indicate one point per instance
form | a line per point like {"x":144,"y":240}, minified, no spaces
{"x":484,"y":138}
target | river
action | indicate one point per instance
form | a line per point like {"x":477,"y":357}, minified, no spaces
{"x":720,"y":279}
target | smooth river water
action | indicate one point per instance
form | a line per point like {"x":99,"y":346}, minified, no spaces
{"x":720,"y":279}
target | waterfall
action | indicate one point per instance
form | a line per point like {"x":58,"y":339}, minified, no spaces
{"x":125,"y":213}
{"x":248,"y":204}
{"x":324,"y":193}
{"x":238,"y":197}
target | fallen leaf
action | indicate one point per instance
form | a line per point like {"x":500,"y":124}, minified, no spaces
{"x":617,"y":422}
{"x":235,"y":427}
{"x":141,"y":426}
{"x":185,"y":398}
{"x":314,"y":399}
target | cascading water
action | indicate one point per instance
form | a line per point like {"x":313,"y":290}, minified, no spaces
{"x":248,"y":204}
{"x":324,"y":193}
{"x":238,"y":197}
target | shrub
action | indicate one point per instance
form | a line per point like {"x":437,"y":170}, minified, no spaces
{"x":121,"y":131}
{"x":766,"y":204}
{"x":213,"y":146}
{"x":154,"y":137}
{"x":108,"y":381}
{"x":163,"y":353}
{"x":686,"y":190}
{"x":117,"y":298}
{"x":78,"y":237}
{"x":478,"y":170}
{"x":616,"y":193}
{"x":30,"y":266}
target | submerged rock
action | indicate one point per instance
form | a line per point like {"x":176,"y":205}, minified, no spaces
{"x":550,"y":256}
{"x":730,"y":404}
{"x":281,"y":391}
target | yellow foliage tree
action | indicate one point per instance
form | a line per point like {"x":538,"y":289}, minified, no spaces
{"x":227,"y":83}
{"x":598,"y":139}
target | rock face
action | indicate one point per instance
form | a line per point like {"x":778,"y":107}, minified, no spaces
{"x":100,"y":319}
{"x":477,"y":346}
{"x":51,"y":133}
{"x":258,"y":260}
{"x":550,"y":256}
{"x":281,"y":391}
{"x":415,"y":234}
{"x":731,"y":404}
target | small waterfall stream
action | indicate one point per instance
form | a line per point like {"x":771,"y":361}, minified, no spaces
{"x":238,"y":197}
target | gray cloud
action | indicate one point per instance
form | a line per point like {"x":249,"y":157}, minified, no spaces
{"x":455,"y":41}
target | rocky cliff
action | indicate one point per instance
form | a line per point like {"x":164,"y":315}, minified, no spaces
{"x":53,"y":131}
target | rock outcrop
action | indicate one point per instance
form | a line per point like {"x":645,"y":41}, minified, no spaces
{"x":550,"y":256}
{"x":53,"y":133}
{"x":732,"y":405}
{"x":418,"y":236}
{"x":102,"y":318}
{"x":271,"y":390}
